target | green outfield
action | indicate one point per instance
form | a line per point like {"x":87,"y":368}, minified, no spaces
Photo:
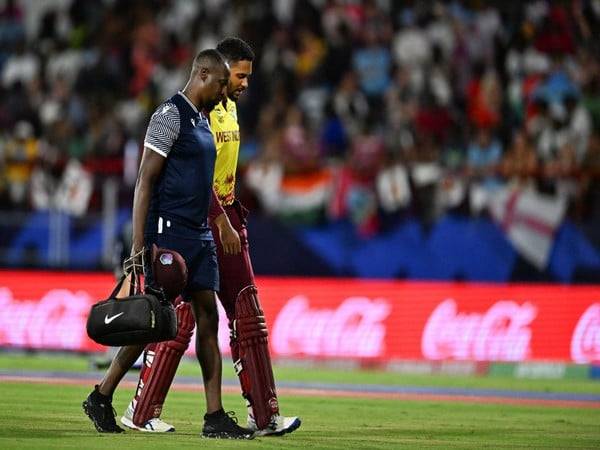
{"x":44,"y":416}
{"x":188,"y":367}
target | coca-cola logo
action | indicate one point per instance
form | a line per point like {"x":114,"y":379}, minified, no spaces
{"x":585,"y":343}
{"x":354,"y":329}
{"x":57,"y":320}
{"x":502,"y":333}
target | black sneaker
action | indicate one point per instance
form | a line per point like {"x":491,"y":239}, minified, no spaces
{"x":223,"y":425}
{"x":99,"y":409}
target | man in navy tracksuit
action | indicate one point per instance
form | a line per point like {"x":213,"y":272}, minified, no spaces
{"x":170,"y":209}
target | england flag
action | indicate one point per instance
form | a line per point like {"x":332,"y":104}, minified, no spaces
{"x":530,"y":220}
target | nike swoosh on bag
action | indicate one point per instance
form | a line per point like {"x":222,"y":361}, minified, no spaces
{"x":108,"y":320}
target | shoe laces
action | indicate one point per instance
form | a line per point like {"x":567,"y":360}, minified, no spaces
{"x":231,"y":415}
{"x":154,"y":421}
{"x":114,"y":414}
{"x":274,"y":422}
{"x":107,"y":408}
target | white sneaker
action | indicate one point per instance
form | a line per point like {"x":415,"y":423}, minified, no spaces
{"x":278,"y":426}
{"x":154,"y":425}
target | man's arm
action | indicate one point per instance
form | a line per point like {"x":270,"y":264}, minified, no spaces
{"x":162,"y":132}
{"x":230,"y":240}
{"x":150,"y":168}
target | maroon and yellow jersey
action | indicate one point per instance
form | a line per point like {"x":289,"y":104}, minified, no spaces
{"x":226,"y":133}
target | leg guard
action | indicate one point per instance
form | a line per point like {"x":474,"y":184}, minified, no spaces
{"x":160,"y":364}
{"x":252,"y":361}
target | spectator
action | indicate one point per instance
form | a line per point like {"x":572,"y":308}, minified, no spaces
{"x":22,"y":67}
{"x":484,"y":157}
{"x":519,"y":164}
{"x":485,"y":96}
{"x":20,"y":154}
{"x":579,"y":125}
{"x":372,"y":64}
{"x":292,"y":185}
{"x":350,"y":104}
{"x":354,"y":192}
{"x":416,"y":75}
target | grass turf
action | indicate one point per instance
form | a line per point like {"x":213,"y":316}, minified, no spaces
{"x":188,"y":367}
{"x":41,"y":416}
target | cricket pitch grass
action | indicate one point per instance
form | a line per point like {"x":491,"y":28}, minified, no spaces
{"x":45,"y":412}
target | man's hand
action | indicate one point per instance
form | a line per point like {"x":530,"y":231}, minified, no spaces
{"x":135,"y":263}
{"x":133,"y":267}
{"x":228,"y":236}
{"x":125,"y":288}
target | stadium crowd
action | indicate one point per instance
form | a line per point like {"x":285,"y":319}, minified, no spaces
{"x":365,"y":110}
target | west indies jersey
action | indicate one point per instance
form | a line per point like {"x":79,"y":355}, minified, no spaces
{"x":181,"y":134}
{"x":226,"y":133}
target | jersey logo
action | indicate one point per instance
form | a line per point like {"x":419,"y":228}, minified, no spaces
{"x":193,"y":122}
{"x":163,"y":110}
{"x":227,"y":136}
{"x":166,"y":259}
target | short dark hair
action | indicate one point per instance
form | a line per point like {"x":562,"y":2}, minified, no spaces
{"x":235,"y":49}
{"x":208,"y":58}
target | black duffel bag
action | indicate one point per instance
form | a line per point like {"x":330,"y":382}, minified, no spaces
{"x":136,"y":319}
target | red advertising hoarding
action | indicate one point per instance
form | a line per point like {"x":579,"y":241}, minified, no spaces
{"x":341,"y":318}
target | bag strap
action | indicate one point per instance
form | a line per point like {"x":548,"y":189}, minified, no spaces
{"x":135,"y":286}
{"x":118,"y":286}
{"x":134,"y":265}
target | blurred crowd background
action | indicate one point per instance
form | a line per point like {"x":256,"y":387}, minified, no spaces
{"x":367,"y":111}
